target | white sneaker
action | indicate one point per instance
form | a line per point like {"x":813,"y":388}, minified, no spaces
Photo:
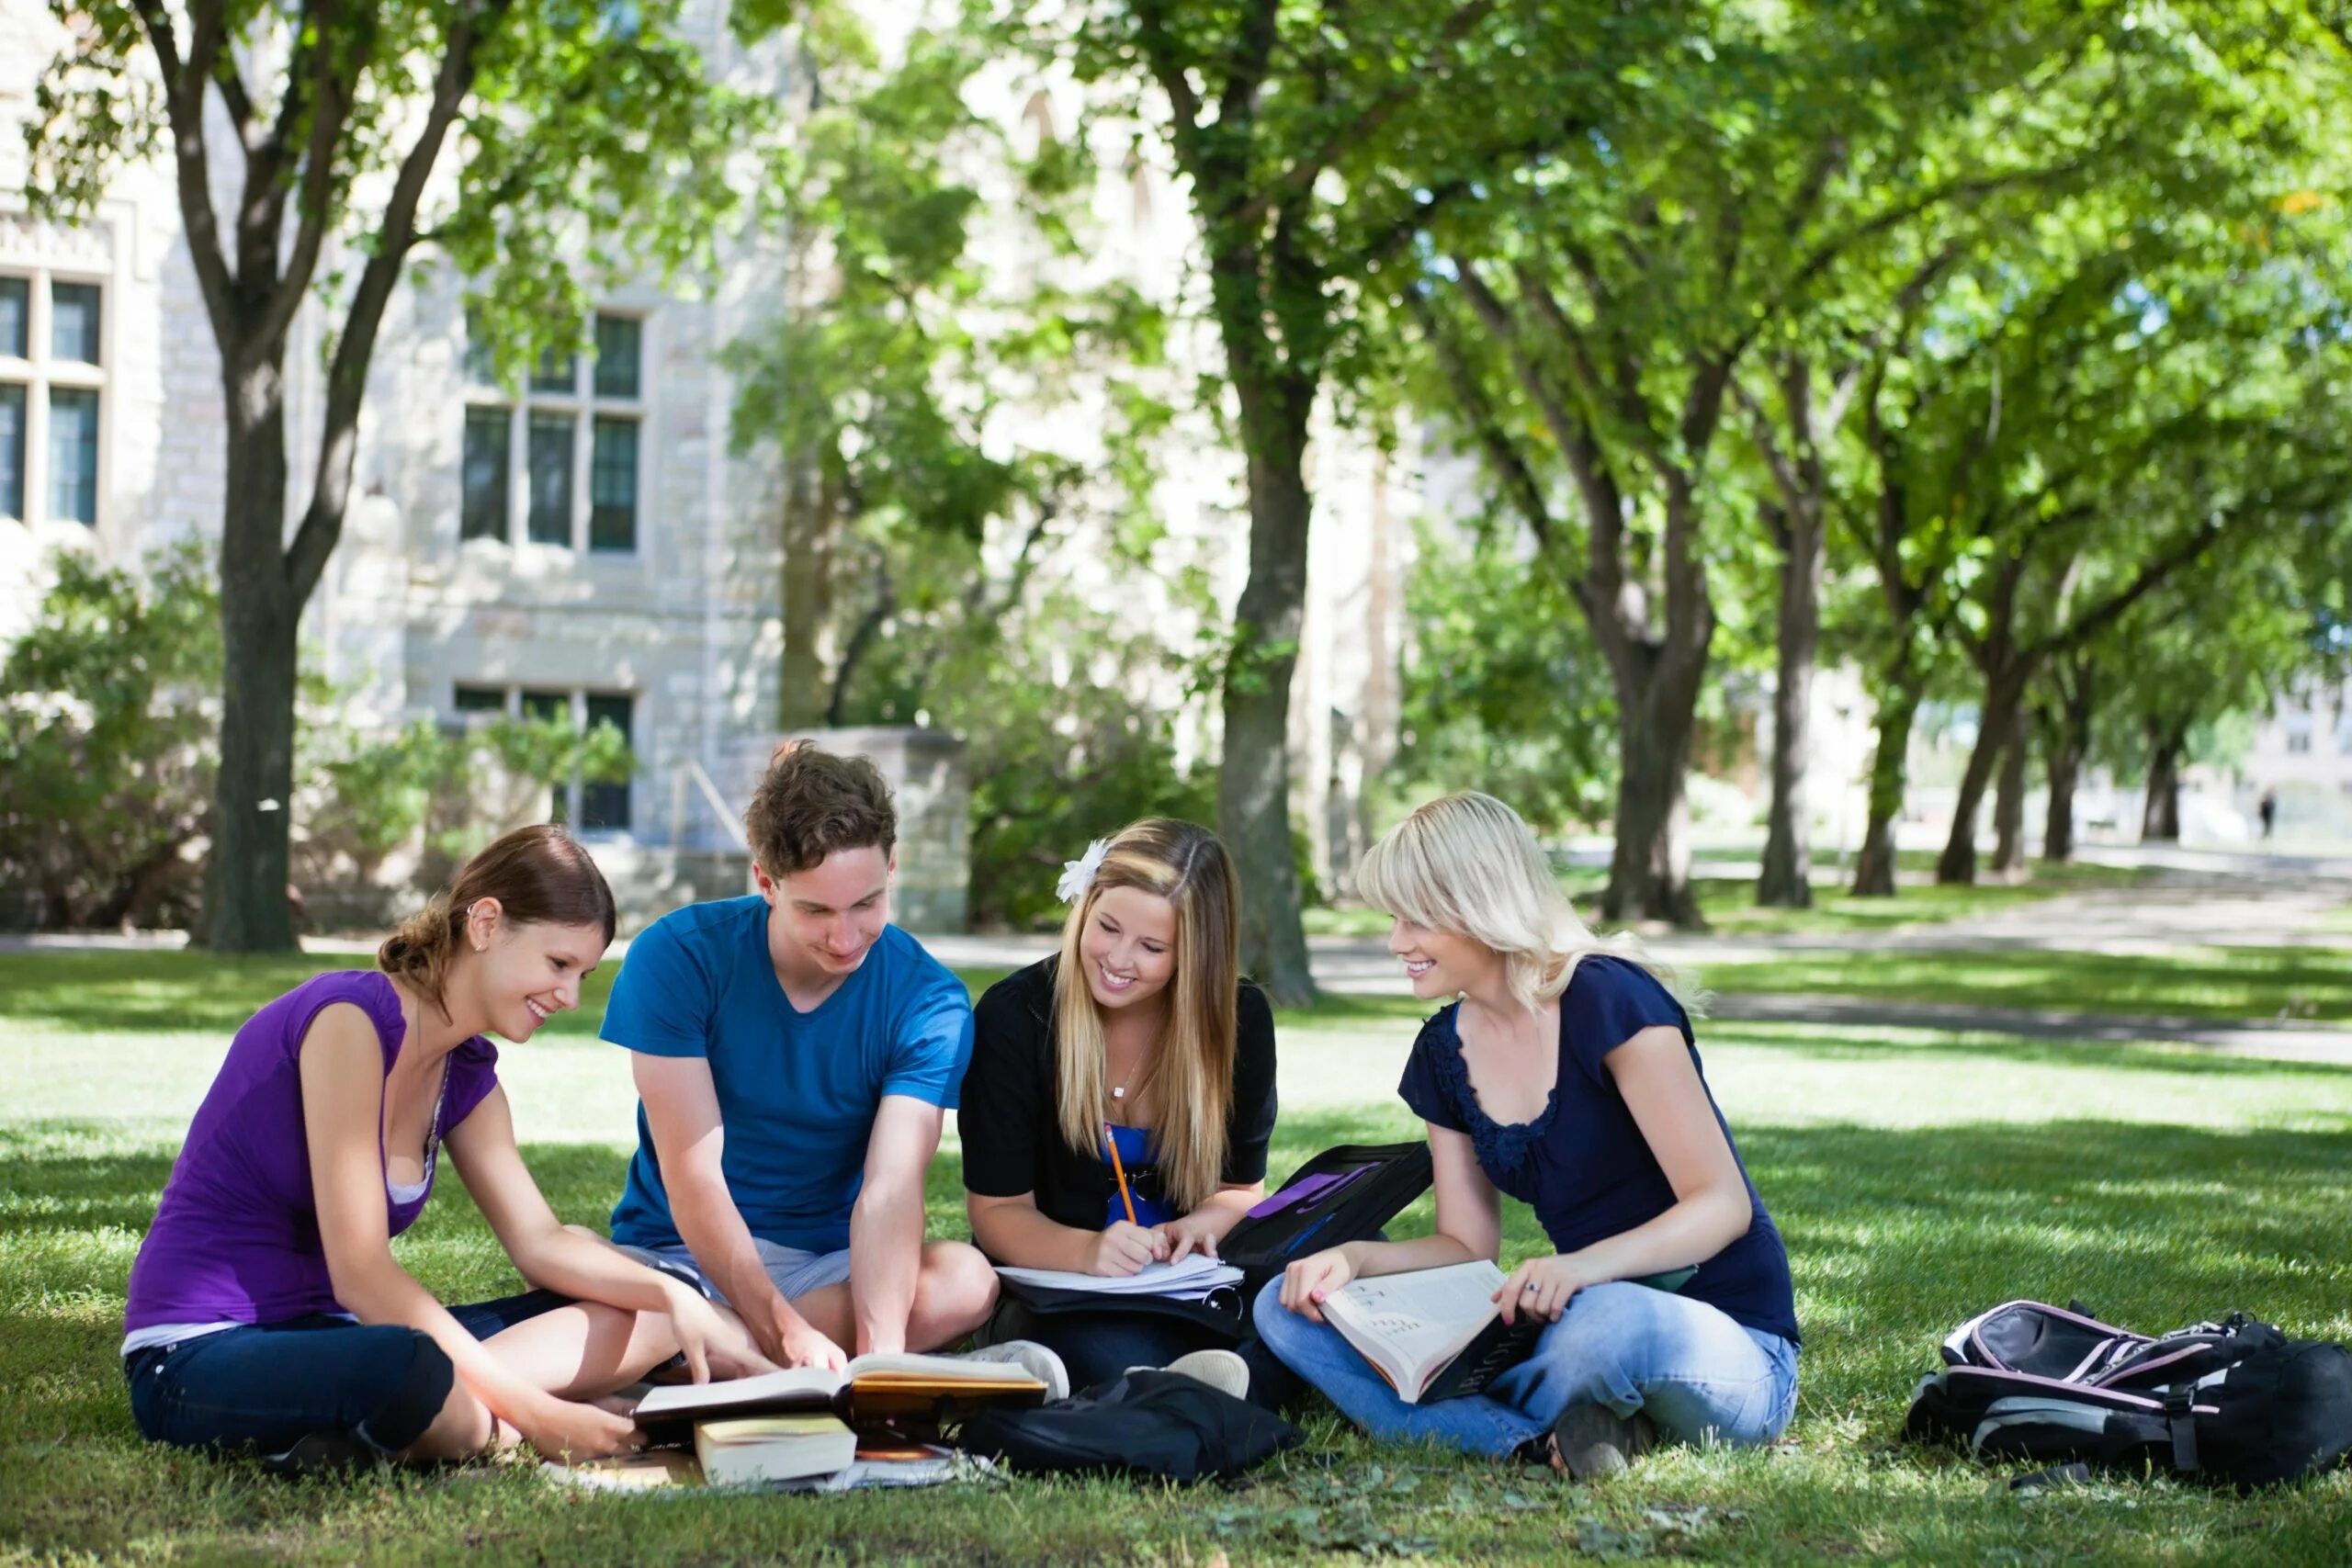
{"x":1031,"y":1358}
{"x":1222,"y":1369}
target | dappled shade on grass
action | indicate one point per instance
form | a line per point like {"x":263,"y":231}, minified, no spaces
{"x":1896,"y":1233}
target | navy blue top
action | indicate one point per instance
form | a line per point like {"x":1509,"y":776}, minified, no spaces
{"x":1582,"y":1163}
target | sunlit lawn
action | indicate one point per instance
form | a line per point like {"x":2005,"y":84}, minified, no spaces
{"x":1729,"y":902}
{"x":2310,"y":983}
{"x":1918,"y":1176}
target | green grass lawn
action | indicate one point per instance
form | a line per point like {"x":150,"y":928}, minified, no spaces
{"x":2308,"y":983}
{"x":1918,"y":1177}
{"x":1729,"y":902}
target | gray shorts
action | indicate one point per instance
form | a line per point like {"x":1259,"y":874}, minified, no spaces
{"x":795,"y":1273}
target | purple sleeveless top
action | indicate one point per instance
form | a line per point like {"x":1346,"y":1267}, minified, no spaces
{"x":236,"y":1238}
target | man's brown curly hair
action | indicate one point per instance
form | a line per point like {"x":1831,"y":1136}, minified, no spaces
{"x":810,"y":803}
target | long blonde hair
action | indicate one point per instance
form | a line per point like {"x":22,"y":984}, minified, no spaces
{"x":1191,"y":1076}
{"x":1467,"y":865}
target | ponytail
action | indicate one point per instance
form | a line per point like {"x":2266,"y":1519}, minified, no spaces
{"x":424,"y":949}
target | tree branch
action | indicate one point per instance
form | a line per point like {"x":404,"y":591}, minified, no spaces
{"x":1302,"y":175}
{"x":314,"y":541}
{"x":332,"y":85}
{"x":184,"y":80}
{"x":2092,"y":622}
{"x":1511,"y":465}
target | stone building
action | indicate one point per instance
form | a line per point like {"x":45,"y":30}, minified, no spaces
{"x":585,"y":544}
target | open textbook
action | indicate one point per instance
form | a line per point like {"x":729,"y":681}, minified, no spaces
{"x":1436,"y":1333}
{"x":874,"y":1390}
{"x":1192,"y":1280}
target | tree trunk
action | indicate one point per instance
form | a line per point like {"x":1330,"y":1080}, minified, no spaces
{"x":245,"y":872}
{"x":1787,"y":879}
{"x":2009,"y":802}
{"x":1253,"y":779}
{"x":2003,"y":692}
{"x":2068,"y":743}
{"x":2161,"y":819}
{"x":2064,"y":762}
{"x":1898,"y":706}
{"x":1649,"y":867}
{"x":808,"y":593}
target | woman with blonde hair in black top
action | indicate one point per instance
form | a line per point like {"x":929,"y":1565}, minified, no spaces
{"x":1140,"y":1033}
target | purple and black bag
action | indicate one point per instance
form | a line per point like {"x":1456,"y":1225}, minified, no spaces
{"x":2234,"y":1402}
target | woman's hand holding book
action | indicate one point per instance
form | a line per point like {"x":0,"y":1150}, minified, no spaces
{"x":1308,"y":1282}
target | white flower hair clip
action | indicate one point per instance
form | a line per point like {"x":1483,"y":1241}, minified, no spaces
{"x":1078,"y":875}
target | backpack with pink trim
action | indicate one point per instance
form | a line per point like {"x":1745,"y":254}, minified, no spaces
{"x":2236,"y":1403}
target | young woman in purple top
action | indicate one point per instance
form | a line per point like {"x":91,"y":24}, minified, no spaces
{"x":267,"y":1312}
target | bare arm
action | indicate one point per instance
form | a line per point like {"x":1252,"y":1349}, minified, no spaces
{"x":1012,"y":1230}
{"x":343,"y":1108}
{"x":558,"y":1259}
{"x":682,"y":1113}
{"x":1662,"y":1088}
{"x":1203,"y":1229}
{"x":1469,"y":1226}
{"x":886,"y":1226}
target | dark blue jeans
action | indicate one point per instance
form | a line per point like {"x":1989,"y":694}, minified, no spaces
{"x":1096,"y":1347}
{"x":311,"y":1390}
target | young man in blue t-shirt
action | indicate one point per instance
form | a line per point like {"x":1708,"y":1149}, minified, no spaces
{"x":796,"y":1055}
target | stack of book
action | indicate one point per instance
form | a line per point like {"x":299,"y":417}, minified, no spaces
{"x":809,"y":1429}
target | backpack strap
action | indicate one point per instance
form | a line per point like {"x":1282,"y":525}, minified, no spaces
{"x":2180,"y":1404}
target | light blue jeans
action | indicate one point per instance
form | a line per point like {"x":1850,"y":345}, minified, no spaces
{"x":1702,"y":1377}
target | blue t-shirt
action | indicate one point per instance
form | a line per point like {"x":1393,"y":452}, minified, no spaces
{"x":1582,"y":1163}
{"x":797,"y":1091}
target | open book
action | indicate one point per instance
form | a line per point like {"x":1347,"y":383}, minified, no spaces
{"x":1436,"y":1333}
{"x":876,"y":1389}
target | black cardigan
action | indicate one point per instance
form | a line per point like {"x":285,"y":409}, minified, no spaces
{"x":1010,"y":1121}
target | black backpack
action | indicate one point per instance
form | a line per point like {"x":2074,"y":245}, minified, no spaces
{"x":1150,"y":1423}
{"x":2236,"y":1403}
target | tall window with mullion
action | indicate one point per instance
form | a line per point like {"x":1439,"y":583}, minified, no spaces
{"x":606,"y":806}
{"x":489,"y":437}
{"x":12,"y":426}
{"x":550,"y":457}
{"x":612,"y":486}
{"x":74,"y":454}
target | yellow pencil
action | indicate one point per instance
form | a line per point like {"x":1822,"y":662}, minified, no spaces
{"x":1120,"y":1171}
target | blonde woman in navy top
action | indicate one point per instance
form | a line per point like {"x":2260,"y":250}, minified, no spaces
{"x":1565,"y":1077}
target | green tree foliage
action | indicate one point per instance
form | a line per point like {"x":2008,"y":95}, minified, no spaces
{"x":1502,"y":688}
{"x":585,"y":141}
{"x":1315,"y":142}
{"x":106,"y":734}
{"x":111,"y":723}
{"x":889,"y":383}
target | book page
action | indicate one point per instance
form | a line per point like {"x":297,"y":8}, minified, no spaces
{"x":903,"y":1368}
{"x":796,"y":1385}
{"x":1413,"y":1322}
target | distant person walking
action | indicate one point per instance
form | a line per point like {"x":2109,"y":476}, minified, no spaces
{"x":2268,"y":811}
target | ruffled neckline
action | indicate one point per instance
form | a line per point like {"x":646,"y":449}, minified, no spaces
{"x":1500,"y":1145}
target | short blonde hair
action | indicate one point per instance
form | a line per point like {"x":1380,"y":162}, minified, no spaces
{"x":1467,"y":865}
